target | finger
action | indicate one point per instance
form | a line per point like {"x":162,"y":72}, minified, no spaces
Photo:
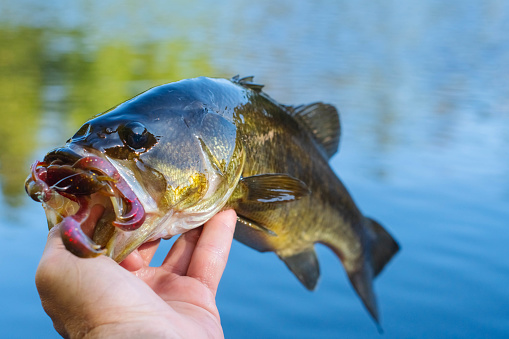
{"x":141,"y":257}
{"x":178,"y":259}
{"x":59,"y":279}
{"x":211,"y":252}
{"x":56,"y":259}
{"x":54,"y":255}
{"x":147,"y":251}
{"x":54,"y":245}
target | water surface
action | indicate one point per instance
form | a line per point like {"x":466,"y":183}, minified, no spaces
{"x":424,"y":100}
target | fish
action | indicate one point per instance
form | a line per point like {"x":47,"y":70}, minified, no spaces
{"x":170,"y":158}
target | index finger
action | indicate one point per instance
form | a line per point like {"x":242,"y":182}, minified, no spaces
{"x":211,"y":252}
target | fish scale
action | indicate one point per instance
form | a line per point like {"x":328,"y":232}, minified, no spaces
{"x":183,"y":151}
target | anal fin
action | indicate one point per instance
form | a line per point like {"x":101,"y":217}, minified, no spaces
{"x":305,"y":267}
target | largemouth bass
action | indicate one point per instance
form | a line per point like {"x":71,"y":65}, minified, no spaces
{"x":167,"y":160}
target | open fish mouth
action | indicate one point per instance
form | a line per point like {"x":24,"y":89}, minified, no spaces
{"x":70,"y":186}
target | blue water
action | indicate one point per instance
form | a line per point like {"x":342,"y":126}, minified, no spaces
{"x":424,"y":100}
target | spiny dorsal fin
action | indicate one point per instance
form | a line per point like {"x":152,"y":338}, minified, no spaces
{"x":322,"y":120}
{"x":247,"y":82}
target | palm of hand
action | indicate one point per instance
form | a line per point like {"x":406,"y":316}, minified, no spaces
{"x":176,"y":299}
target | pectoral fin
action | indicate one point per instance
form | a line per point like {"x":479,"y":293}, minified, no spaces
{"x":305,"y":267}
{"x":269,"y":188}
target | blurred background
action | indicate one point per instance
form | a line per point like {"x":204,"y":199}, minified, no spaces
{"x":423,"y":92}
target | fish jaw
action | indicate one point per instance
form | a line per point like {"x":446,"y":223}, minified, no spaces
{"x":69,"y":183}
{"x":123,"y":196}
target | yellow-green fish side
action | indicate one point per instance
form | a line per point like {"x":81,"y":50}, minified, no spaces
{"x":170,"y":158}
{"x":281,"y":139}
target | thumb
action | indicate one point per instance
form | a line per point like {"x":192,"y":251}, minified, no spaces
{"x":54,"y":241}
{"x":51,"y":278}
{"x":54,"y":252}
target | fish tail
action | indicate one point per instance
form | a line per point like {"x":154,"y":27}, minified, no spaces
{"x":378,"y":249}
{"x":383,"y":247}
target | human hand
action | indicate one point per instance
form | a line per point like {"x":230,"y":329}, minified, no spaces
{"x":89,"y":298}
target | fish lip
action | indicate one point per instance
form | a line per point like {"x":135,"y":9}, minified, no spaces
{"x":49,"y":177}
{"x":64,"y":154}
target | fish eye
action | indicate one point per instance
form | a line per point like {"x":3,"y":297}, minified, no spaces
{"x":136,"y":136}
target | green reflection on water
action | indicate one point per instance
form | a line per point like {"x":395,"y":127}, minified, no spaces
{"x":57,"y":72}
{"x":21,"y":73}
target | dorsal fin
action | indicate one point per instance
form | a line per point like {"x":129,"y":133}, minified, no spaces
{"x":322,"y":120}
{"x":247,"y":82}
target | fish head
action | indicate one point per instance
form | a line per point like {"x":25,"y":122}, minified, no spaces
{"x":152,"y":167}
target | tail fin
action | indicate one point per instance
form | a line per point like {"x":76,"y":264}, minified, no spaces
{"x":378,"y":249}
{"x":378,"y":252}
{"x":362,"y":282}
{"x":383,"y":248}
